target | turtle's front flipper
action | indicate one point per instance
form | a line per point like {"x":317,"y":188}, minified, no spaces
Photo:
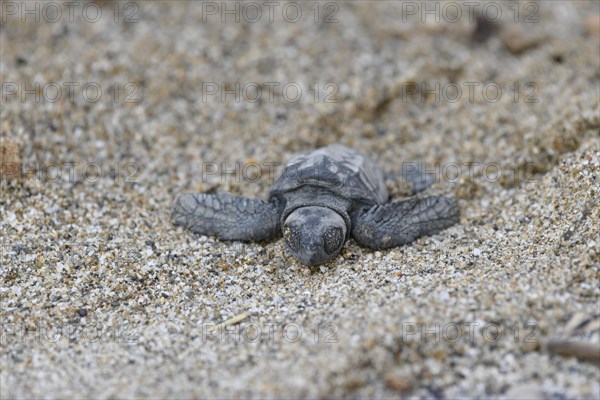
{"x":227,"y":216}
{"x":401,"y":222}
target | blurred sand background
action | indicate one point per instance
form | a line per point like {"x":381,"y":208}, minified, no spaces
{"x":101,"y":297}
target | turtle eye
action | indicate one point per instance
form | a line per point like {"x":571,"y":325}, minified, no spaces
{"x":292,"y":238}
{"x":333,"y":239}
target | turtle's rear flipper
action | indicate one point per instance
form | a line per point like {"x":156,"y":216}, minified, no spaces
{"x":401,"y":222}
{"x":227,"y":216}
{"x":416,"y":175}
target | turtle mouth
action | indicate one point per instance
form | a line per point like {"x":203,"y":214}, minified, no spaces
{"x":312,"y":255}
{"x":312,"y":259}
{"x":309,"y":254}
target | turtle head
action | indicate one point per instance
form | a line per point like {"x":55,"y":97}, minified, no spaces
{"x":314,"y":234}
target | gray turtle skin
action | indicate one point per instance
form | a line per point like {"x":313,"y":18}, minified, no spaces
{"x":319,"y":201}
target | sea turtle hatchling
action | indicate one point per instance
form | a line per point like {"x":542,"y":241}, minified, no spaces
{"x":318,"y":202}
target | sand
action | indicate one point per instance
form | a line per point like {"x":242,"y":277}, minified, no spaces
{"x":102,"y":297}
